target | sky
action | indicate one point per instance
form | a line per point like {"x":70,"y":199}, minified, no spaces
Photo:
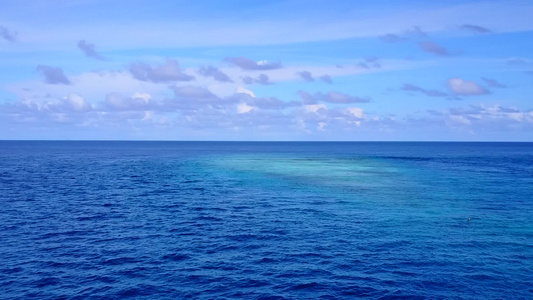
{"x":291,"y":70}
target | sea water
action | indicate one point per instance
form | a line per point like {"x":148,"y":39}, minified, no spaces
{"x":266,"y":220}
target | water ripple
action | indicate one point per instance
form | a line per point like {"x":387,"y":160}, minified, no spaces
{"x":265,"y":221}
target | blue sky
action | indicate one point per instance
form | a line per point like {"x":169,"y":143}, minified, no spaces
{"x":266,"y":70}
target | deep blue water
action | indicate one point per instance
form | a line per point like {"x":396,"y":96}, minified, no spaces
{"x":224,"y":220}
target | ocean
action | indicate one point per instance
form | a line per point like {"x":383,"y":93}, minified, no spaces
{"x":266,"y":220}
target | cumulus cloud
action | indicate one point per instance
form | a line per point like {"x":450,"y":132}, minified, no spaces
{"x":268,"y":103}
{"x":306,"y":75}
{"x":185,"y":99}
{"x":462,"y":87}
{"x":195,"y":93}
{"x":168,"y":72}
{"x":53,"y":75}
{"x":248,"y":64}
{"x":315,"y":108}
{"x":241,"y":90}
{"x":197,"y":108}
{"x":89,"y":50}
{"x":475,"y":28}
{"x":7,"y":35}
{"x":493,"y":83}
{"x":326,"y":78}
{"x":434,"y":48}
{"x":261,"y":79}
{"x":431,"y":93}
{"x":320,"y":117}
{"x":238,"y":119}
{"x":196,"y":98}
{"x":273,"y":103}
{"x":355,"y":111}
{"x":74,"y":112}
{"x":330,"y":97}
{"x":75,"y":102}
{"x":495,"y":114}
{"x":137,"y":102}
{"x":71,"y":104}
{"x":243,"y":108}
{"x":215,"y":73}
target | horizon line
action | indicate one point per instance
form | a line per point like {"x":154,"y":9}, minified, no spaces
{"x":268,"y":141}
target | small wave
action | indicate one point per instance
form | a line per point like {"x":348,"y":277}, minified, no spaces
{"x":306,"y":286}
{"x":11,"y":270}
{"x":176,"y":257}
{"x":121,"y":261}
{"x":46,"y":281}
{"x":359,"y":291}
{"x":267,"y":260}
{"x":409,"y":158}
{"x":270,"y":297}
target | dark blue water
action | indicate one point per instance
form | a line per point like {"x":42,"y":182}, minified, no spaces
{"x":266,"y":220}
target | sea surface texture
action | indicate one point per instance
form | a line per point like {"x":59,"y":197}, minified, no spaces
{"x":227,"y":220}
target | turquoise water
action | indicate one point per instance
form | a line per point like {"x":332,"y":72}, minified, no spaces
{"x":225,"y":220}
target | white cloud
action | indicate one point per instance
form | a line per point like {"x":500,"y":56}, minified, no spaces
{"x":248,"y":64}
{"x":459,"y":120}
{"x":167,"y":72}
{"x":355,"y":111}
{"x":94,"y":86}
{"x":494,"y":115}
{"x":465,"y":88}
{"x":138,"y":102}
{"x":77,"y":102}
{"x":145,"y":96}
{"x":243,"y":108}
{"x":241,"y":90}
{"x":314,"y":108}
